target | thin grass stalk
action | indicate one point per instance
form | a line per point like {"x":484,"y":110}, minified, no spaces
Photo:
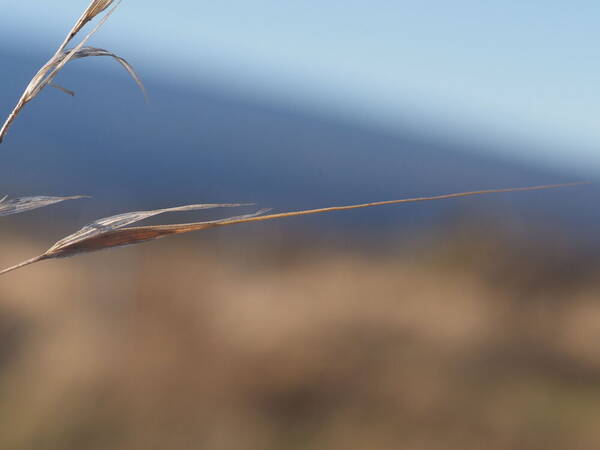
{"x":23,"y":264}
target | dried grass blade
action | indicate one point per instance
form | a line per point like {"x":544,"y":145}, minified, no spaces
{"x":85,"y":52}
{"x":113,"y":231}
{"x":19,"y":205}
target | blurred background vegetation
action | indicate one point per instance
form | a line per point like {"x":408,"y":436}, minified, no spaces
{"x":463,"y":324}
{"x":470,"y":337}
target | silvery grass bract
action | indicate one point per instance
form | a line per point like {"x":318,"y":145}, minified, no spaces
{"x":45,"y":76}
{"x":20,"y":205}
{"x":115,"y":232}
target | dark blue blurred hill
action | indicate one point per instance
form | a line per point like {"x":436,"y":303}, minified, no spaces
{"x":201,"y":143}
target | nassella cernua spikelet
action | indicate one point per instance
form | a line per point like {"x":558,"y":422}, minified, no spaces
{"x":45,"y":76}
{"x":115,"y":232}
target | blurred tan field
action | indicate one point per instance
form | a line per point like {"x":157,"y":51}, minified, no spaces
{"x":224,"y":341}
{"x":440,"y":326}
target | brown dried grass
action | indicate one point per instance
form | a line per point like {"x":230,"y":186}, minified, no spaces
{"x":114,"y":231}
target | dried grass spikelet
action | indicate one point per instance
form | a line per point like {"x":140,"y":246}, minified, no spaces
{"x":95,"y":8}
{"x":115,"y":232}
{"x":46,"y":74}
{"x":19,"y":205}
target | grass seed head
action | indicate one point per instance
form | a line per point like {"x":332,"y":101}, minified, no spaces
{"x":46,"y":74}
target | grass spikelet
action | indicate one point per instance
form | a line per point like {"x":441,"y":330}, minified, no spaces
{"x":95,"y":8}
{"x":115,"y":232}
{"x":20,"y":205}
{"x":46,"y":74}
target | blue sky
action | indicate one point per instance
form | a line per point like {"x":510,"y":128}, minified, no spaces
{"x":514,"y":72}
